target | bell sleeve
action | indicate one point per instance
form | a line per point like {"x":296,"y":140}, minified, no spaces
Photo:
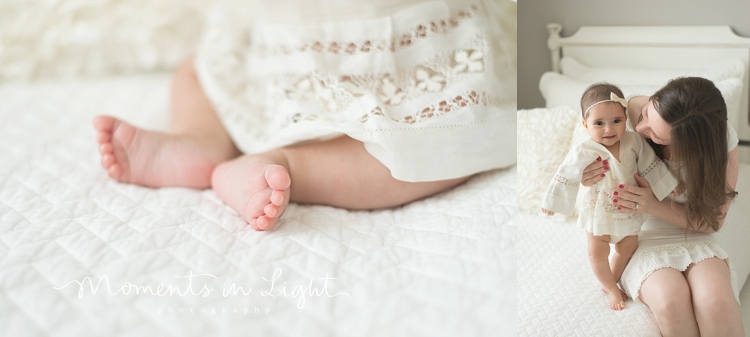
{"x":654,"y":170}
{"x":563,"y":189}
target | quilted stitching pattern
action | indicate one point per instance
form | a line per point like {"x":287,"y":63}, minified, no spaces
{"x":559,"y":295}
{"x":441,"y":266}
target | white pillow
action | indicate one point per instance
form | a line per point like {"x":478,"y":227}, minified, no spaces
{"x":560,"y":90}
{"x":543,"y":141}
{"x":570,"y":67}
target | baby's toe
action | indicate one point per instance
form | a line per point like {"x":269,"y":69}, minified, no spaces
{"x":108,"y":160}
{"x":273,"y":211}
{"x":107,"y":148}
{"x":115,"y":171}
{"x":278,"y":178}
{"x":265,"y":223}
{"x":279,"y":198}
{"x":103,"y":137}
{"x":104,"y":123}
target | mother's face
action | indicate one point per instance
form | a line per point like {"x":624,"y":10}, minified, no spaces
{"x":653,"y":126}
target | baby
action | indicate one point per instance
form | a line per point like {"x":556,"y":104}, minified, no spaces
{"x":285,"y":102}
{"x":624,"y":153}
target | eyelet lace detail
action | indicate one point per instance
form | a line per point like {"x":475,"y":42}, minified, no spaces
{"x":565,"y":181}
{"x":398,"y":42}
{"x":437,"y":109}
{"x":599,"y":199}
{"x":651,"y":167}
{"x":325,"y":96}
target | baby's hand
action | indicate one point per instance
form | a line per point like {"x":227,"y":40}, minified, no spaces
{"x":548,"y":212}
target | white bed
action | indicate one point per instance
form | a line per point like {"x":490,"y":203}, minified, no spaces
{"x":443,"y":266}
{"x":558,"y":294}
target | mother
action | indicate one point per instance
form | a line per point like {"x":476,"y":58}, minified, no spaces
{"x":680,"y":270}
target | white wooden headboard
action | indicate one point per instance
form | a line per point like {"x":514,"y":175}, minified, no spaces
{"x":658,"y":47}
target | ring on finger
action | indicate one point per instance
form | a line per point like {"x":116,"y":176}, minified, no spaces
{"x":635,"y":207}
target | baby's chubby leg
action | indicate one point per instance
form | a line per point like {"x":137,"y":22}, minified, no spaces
{"x":623,"y":252}
{"x":598,"y":249}
{"x":338,"y":172}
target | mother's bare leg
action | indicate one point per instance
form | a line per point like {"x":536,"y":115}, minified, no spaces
{"x":716,"y":308}
{"x":338,"y":172}
{"x":667,"y":294}
{"x":184,"y":157}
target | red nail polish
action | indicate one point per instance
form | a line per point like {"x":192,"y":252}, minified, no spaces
{"x":606,"y":168}
{"x":602,"y":174}
{"x":619,"y":208}
{"x":615,"y":193}
{"x":604,"y":162}
{"x":598,"y":158}
{"x":614,"y":200}
{"x":621,"y":186}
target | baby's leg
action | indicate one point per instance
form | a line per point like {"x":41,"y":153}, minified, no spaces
{"x":337,"y":172}
{"x":623,"y":252}
{"x":598,"y":247}
{"x":185,"y":157}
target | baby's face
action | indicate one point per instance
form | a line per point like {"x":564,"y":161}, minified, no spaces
{"x":606,"y":123}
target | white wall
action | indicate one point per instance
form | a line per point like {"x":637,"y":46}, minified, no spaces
{"x":534,"y":15}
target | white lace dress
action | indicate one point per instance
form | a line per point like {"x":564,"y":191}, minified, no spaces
{"x":429,"y":87}
{"x":598,"y":213}
{"x":662,"y":245}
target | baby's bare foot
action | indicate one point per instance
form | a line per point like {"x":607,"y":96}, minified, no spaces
{"x":254,"y":186}
{"x":153,"y":159}
{"x":616,"y":301}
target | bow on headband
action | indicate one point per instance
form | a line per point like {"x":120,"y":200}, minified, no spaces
{"x":612,"y":98}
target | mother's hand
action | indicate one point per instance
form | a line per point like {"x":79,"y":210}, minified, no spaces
{"x":594,"y":172}
{"x":634,"y":199}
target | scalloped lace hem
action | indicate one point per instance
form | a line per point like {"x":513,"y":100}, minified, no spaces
{"x":675,"y":256}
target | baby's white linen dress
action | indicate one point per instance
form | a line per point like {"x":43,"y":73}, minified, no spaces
{"x":598,"y":212}
{"x":429,"y":87}
{"x":663,"y":245}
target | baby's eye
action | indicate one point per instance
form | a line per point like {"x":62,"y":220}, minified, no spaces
{"x":598,"y":123}
{"x":618,"y":121}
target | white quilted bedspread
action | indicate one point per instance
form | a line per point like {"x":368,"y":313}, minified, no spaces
{"x":558,"y":294}
{"x":444,"y":266}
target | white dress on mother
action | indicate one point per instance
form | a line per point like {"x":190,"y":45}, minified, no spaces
{"x":663,"y":245}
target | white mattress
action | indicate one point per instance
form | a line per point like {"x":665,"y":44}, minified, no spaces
{"x":558,"y":294}
{"x":444,"y":266}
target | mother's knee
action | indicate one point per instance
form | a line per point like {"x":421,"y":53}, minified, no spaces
{"x":670,"y":303}
{"x":715,"y":303}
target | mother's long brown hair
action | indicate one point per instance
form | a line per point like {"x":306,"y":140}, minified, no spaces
{"x":697,"y":114}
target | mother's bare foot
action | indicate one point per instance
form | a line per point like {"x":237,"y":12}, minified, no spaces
{"x":256,"y":187}
{"x":155,"y":159}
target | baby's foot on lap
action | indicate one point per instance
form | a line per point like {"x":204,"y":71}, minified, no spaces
{"x":152,"y":159}
{"x":255,"y":187}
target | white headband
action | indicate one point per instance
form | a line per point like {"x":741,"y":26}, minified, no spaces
{"x":612,"y":98}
